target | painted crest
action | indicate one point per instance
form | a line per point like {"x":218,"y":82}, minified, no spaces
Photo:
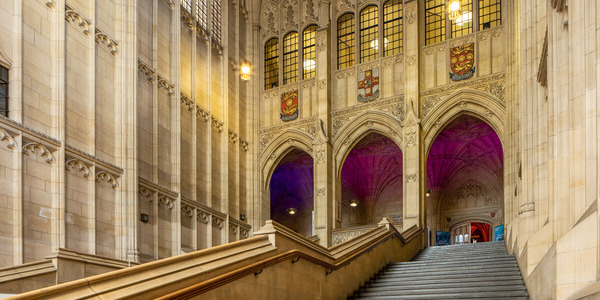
{"x":368,"y":85}
{"x":289,"y":106}
{"x":462,"y":62}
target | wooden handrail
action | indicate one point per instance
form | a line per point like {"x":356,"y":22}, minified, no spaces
{"x":205,"y":286}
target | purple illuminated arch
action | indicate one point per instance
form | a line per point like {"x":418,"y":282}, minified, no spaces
{"x":466,"y":149}
{"x":292,"y":187}
{"x":372,"y":175}
{"x":464,"y":158}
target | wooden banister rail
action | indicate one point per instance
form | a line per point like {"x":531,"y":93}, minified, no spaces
{"x":257,"y":267}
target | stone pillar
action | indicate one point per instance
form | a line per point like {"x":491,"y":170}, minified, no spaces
{"x":414,"y":162}
{"x":322,"y":158}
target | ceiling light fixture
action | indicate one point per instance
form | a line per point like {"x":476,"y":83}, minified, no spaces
{"x":454,"y":10}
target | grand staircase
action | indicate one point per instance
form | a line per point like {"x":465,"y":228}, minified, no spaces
{"x":469,"y":271}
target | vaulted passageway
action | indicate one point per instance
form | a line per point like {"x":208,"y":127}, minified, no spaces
{"x":291,"y":189}
{"x":465,"y":182}
{"x":371,"y":181}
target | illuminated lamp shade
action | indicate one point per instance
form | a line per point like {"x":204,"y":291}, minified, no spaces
{"x":375,"y":43}
{"x":245,"y":72}
{"x":354,"y":203}
{"x":292,"y":211}
{"x":428,"y":193}
{"x":309,"y":64}
{"x":454,"y":10}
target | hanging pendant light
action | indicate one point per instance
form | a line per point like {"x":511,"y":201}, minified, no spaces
{"x":454,"y":10}
{"x":354,"y":202}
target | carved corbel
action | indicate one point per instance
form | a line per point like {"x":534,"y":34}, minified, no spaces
{"x":5,"y":136}
{"x":107,"y":177}
{"x":78,"y":165}
{"x":102,"y":38}
{"x":31,"y":148}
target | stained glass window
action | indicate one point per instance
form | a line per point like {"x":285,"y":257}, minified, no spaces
{"x":187,"y":5}
{"x":201,"y":16}
{"x":3,"y":91}
{"x":216,"y":20}
{"x":308,"y":52}
{"x":369,"y":22}
{"x":464,"y":24}
{"x":272,"y":63}
{"x":345,"y":42}
{"x":490,"y":14}
{"x":392,"y":27}
{"x":435,"y":21}
{"x":290,"y":57}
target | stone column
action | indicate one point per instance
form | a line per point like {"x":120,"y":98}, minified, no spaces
{"x":322,"y":158}
{"x":414,"y":162}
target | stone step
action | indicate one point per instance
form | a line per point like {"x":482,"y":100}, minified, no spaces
{"x":440,"y":280}
{"x":517,"y":284}
{"x":487,"y":296}
{"x":400,"y":277}
{"x":453,"y":270}
{"x":497,"y":290}
{"x":445,"y":262}
{"x":469,"y":271}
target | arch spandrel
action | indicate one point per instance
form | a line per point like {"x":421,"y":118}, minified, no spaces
{"x":360,"y":126}
{"x":471,"y":102}
{"x":280,"y":146}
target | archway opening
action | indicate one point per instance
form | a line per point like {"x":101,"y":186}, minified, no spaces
{"x":465,"y":182}
{"x":291,"y":189}
{"x":371,"y":182}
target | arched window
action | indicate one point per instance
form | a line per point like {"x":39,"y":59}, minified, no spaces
{"x":345,"y":42}
{"x":290,"y":57}
{"x":489,"y":14}
{"x":3,"y":91}
{"x":369,"y":44}
{"x":308,"y":52}
{"x":392,"y":27}
{"x":272,"y":63}
{"x":435,"y":21}
{"x":464,"y":24}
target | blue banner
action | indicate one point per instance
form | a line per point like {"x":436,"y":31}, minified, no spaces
{"x":499,"y":233}
{"x":442,"y":238}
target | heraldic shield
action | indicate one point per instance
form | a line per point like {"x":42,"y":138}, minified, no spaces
{"x":368,"y":85}
{"x":462,"y":62}
{"x":289,"y":106}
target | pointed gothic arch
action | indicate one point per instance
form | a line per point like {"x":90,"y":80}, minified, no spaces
{"x":471,"y":102}
{"x":359,"y":127}
{"x":279,"y":147}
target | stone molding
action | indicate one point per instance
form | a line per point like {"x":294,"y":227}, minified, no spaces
{"x":32,"y":148}
{"x":267,"y":134}
{"x":393,"y":106}
{"x":187,"y":102}
{"x":476,"y":102}
{"x":166,"y":85}
{"x":91,"y":160}
{"x":75,"y":164}
{"x":105,"y":176}
{"x":146,"y":70}
{"x":218,"y":125}
{"x":5,"y":136}
{"x":73,"y":16}
{"x":357,"y":127}
{"x":479,"y":36}
{"x":492,"y":85}
{"x":103,"y":38}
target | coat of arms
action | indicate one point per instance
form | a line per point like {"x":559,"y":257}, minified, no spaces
{"x":462,"y":62}
{"x":368,"y":85}
{"x":289,"y":106}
